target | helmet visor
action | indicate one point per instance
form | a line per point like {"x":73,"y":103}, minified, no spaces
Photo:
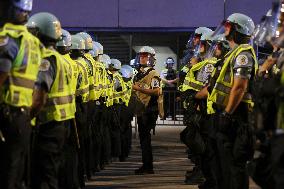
{"x":193,"y":41}
{"x":270,"y":26}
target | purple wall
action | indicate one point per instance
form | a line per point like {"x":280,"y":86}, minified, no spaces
{"x":170,"y":13}
{"x":253,"y":8}
{"x":81,"y":13}
{"x":148,"y":13}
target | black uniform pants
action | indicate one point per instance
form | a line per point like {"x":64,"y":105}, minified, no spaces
{"x":48,"y":154}
{"x":277,"y":162}
{"x":97,"y":134}
{"x":115,"y":131}
{"x":106,"y":139}
{"x":169,"y":101}
{"x":208,"y":157}
{"x":69,"y":173}
{"x":81,"y":122}
{"x":16,"y":129}
{"x":232,"y":156}
{"x":146,"y":122}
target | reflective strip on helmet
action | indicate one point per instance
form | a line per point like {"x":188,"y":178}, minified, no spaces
{"x":227,"y":90}
{"x":60,"y":100}
{"x":22,"y":82}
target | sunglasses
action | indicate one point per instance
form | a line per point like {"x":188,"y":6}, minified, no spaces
{"x":143,"y":54}
{"x":227,"y":24}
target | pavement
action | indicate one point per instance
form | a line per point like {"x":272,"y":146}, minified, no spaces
{"x":170,"y":165}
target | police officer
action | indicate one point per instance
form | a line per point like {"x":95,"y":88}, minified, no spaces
{"x":53,"y":103}
{"x":72,"y":145}
{"x":198,"y":80}
{"x":192,"y":49}
{"x":107,"y":96}
{"x":168,"y":75}
{"x":82,"y":99}
{"x":268,"y":168}
{"x":126,"y":113}
{"x":187,"y":93}
{"x":231,"y":100}
{"x":93,"y":128}
{"x":148,"y":91}
{"x":195,"y":118}
{"x":118,"y":99}
{"x":20,"y":56}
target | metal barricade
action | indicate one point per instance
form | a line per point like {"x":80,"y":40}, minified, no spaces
{"x":173,"y":111}
{"x":172,"y":108}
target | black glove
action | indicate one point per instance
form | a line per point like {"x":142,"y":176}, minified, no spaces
{"x":224,"y":122}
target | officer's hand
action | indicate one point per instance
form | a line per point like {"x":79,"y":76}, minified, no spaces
{"x":202,"y":94}
{"x":224,"y":122}
{"x":135,"y":87}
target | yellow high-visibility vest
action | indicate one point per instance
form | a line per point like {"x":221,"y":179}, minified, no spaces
{"x":118,"y":96}
{"x":83,"y":90}
{"x":60,"y":104}
{"x":221,"y":90}
{"x":25,"y":67}
{"x":100,"y":79}
{"x":90,"y":63}
{"x":190,"y":81}
{"x":75,"y":71}
{"x":128,"y":93}
{"x":109,"y":90}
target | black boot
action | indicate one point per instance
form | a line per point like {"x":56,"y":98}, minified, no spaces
{"x":143,"y":171}
{"x":195,"y":177}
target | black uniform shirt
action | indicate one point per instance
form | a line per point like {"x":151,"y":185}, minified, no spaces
{"x":9,"y":49}
{"x":46,"y":74}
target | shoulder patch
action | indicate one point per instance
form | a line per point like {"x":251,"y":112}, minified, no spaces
{"x":155,"y":83}
{"x":44,"y":66}
{"x":242,"y":60}
{"x":209,"y":68}
{"x":4,"y":40}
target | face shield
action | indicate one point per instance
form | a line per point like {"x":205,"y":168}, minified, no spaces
{"x":270,"y":26}
{"x":202,"y":49}
{"x":279,"y":41}
{"x":218,"y":46}
{"x":193,"y":41}
{"x":145,"y":59}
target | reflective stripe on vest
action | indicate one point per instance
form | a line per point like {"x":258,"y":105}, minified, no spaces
{"x":60,"y":104}
{"x":191,"y":85}
{"x":221,"y":91}
{"x":83,"y":90}
{"x":74,"y":73}
{"x":128,"y":92}
{"x":118,"y":96}
{"x":108,"y":93}
{"x":91,"y":72}
{"x":18,"y":91}
{"x":59,"y":100}
{"x":100,"y":79}
{"x":190,"y":81}
{"x":22,"y":82}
